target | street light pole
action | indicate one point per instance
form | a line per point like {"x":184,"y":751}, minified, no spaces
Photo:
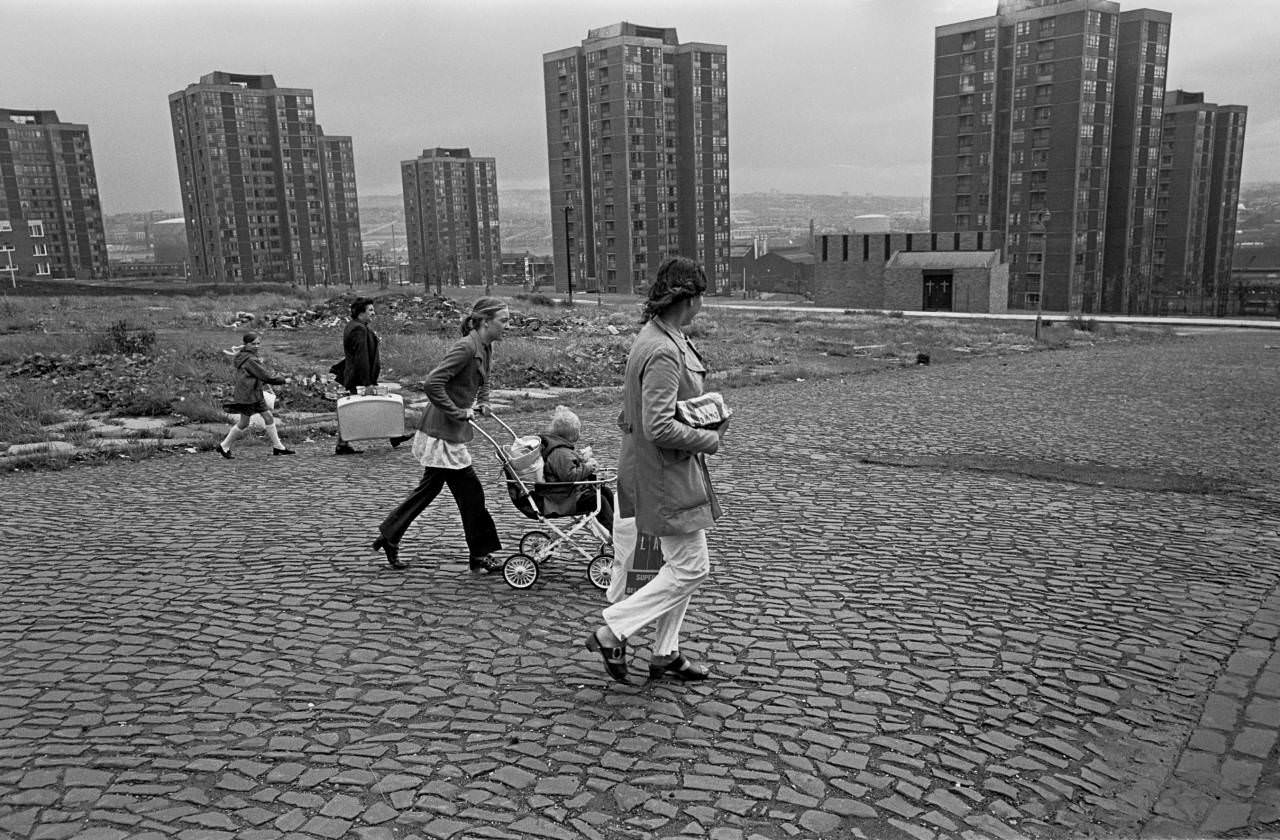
{"x":1043,"y":221}
{"x":568,"y":254}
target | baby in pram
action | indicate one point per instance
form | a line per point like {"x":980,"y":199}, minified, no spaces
{"x":563,"y":461}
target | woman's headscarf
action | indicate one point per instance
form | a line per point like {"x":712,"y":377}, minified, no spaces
{"x":482,"y":310}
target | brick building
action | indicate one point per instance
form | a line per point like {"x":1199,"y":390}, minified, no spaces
{"x":757,"y":268}
{"x":638,"y":156}
{"x":1201,"y":151}
{"x":957,"y":272}
{"x":50,"y":214}
{"x":266,"y":195}
{"x":1052,"y":106}
{"x":451,"y":218}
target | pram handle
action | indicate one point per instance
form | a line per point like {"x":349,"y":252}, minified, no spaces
{"x":472,"y":421}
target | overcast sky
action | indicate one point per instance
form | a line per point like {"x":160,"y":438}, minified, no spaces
{"x":824,"y":97}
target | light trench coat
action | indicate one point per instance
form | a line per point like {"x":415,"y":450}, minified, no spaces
{"x":662,"y":471}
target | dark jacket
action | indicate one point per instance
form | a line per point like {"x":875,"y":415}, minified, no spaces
{"x":662,"y":471}
{"x":360,"y":355}
{"x":562,"y":462}
{"x":250,"y":376}
{"x":459,"y":382}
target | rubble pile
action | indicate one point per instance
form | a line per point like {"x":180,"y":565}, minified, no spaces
{"x":583,"y":366}
{"x":408,"y":312}
{"x":97,"y":381}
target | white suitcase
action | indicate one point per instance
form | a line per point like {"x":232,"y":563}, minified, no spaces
{"x":369,"y":418}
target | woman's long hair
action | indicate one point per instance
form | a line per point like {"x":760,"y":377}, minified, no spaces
{"x":482,"y":310}
{"x":679,"y":278}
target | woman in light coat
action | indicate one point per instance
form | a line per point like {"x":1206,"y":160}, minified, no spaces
{"x":663,"y":480}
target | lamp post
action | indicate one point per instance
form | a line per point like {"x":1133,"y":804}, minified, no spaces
{"x":1043,"y":221}
{"x":568,"y":253}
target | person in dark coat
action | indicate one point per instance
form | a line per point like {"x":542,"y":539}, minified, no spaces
{"x":360,"y":363}
{"x":247,"y":398}
{"x":458,"y":389}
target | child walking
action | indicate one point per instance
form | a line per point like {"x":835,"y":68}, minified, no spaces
{"x":247,"y":399}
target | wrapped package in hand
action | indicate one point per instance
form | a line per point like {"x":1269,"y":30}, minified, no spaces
{"x":704,"y":412}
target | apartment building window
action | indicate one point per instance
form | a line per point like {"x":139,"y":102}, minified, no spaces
{"x":35,"y":229}
{"x":43,"y":270}
{"x":1046,"y":27}
{"x":966,"y":83}
{"x":40,"y":250}
{"x":969,"y":41}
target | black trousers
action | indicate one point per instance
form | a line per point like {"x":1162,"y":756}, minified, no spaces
{"x":587,"y":503}
{"x":468,"y":493}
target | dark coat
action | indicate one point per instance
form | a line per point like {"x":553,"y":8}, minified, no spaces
{"x":250,"y":376}
{"x":459,"y":382}
{"x":662,"y":471}
{"x":360,"y":355}
{"x":562,"y":462}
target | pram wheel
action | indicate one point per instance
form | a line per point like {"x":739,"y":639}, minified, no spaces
{"x":600,"y":570}
{"x":534,"y":544}
{"x":520,"y":571}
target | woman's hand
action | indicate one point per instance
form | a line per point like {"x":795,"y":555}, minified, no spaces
{"x":484,"y":410}
{"x":722,"y":428}
{"x":467,"y":414}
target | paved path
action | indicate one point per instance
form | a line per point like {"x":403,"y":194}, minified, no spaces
{"x":1023,"y":597}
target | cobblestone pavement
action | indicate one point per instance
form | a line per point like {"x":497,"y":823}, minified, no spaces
{"x":1032,"y":596}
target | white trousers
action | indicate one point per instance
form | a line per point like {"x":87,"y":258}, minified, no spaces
{"x":663,"y":600}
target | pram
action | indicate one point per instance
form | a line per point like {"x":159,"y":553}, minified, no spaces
{"x":521,"y":570}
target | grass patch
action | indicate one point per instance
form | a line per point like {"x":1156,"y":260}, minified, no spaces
{"x":26,"y":408}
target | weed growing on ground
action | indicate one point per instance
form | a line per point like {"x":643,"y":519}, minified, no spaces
{"x":25,"y":408}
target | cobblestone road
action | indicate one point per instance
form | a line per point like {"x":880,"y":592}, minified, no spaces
{"x":1023,"y":597}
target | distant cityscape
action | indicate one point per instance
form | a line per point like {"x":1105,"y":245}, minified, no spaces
{"x":1065,"y":176}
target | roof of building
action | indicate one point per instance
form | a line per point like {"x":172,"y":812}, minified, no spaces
{"x":794,"y":255}
{"x":943,"y":259}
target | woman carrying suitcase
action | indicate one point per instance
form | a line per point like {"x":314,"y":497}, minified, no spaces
{"x":458,"y":388}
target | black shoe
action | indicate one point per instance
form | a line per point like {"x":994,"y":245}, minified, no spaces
{"x":484,"y":565}
{"x":615,"y":658}
{"x":399,"y":439}
{"x":282,"y":451}
{"x":679,"y":668}
{"x":392,"y":551}
{"x":225,"y":453}
{"x":345,"y":449}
